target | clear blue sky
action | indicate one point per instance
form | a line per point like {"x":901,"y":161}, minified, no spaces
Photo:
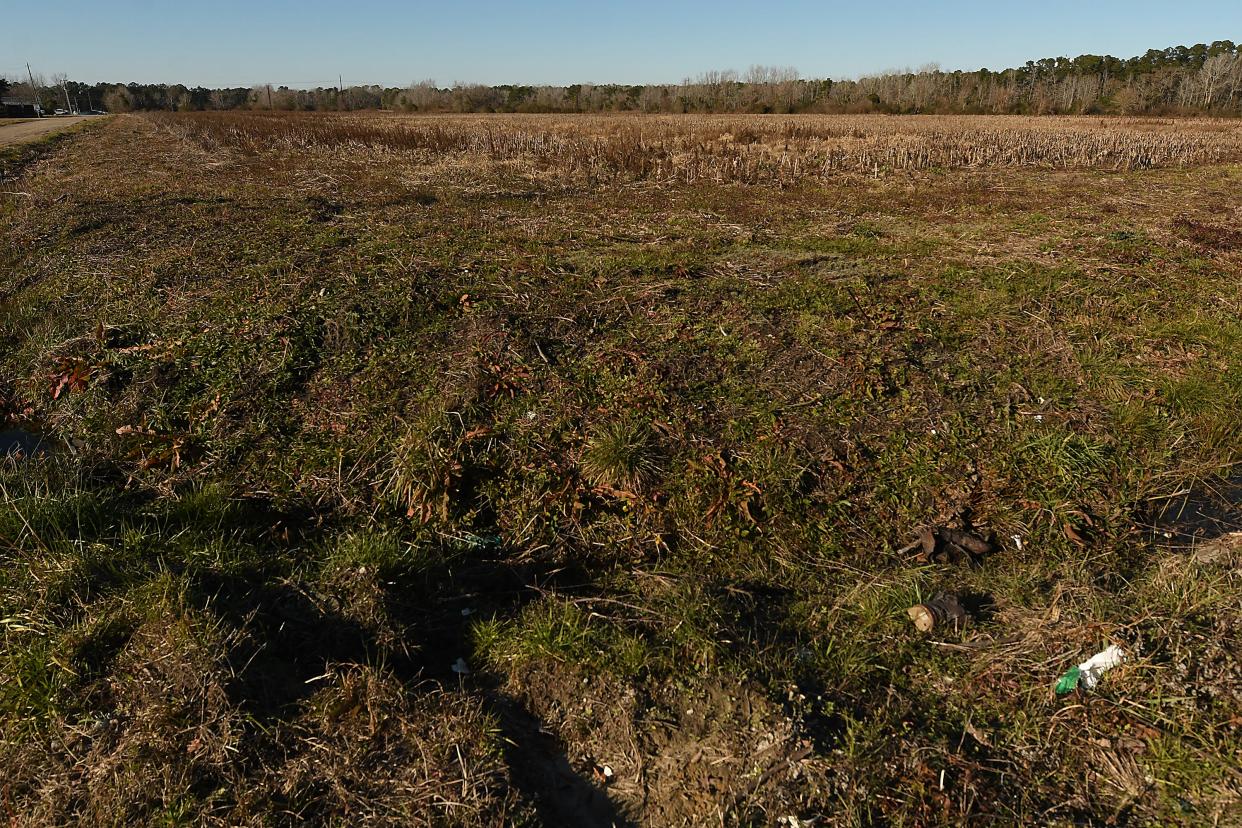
{"x":310,"y":42}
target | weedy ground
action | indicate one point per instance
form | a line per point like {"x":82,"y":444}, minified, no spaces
{"x":426,"y":484}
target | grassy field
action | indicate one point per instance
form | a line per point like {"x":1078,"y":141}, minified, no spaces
{"x":524,"y":470}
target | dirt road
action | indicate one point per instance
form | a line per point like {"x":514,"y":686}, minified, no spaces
{"x":26,"y":130}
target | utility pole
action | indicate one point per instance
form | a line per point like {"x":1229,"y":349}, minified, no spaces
{"x":34,"y":93}
{"x":269,"y":97}
{"x":68,"y":105}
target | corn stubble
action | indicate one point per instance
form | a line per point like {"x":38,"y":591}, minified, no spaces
{"x":738,"y":149}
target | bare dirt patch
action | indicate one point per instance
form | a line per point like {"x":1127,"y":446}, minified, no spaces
{"x":685,"y":755}
{"x":28,"y":130}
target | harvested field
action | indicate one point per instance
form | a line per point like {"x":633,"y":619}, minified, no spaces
{"x":741,"y":149}
{"x":574,"y":471}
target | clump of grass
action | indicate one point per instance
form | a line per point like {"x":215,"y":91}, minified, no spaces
{"x":557,"y":628}
{"x":422,"y":472}
{"x":381,"y":552}
{"x":622,"y":455}
{"x":1062,"y":464}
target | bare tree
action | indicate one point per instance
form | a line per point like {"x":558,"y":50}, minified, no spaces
{"x":118,"y":99}
{"x":1215,"y":77}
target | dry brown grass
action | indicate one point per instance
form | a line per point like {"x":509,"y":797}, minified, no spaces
{"x":738,"y":149}
{"x":172,"y":744}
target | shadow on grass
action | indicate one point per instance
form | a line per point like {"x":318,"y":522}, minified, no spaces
{"x":238,"y":564}
{"x":291,"y":637}
{"x":1204,"y":513}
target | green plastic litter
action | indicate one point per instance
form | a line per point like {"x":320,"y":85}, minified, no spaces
{"x":473,"y":541}
{"x":1068,"y":683}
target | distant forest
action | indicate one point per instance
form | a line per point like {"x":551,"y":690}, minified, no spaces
{"x":1180,"y":80}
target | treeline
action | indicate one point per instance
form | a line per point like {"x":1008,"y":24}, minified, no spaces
{"x":115,"y":97}
{"x":1200,"y":79}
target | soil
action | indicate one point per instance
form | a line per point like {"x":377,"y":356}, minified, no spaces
{"x":685,"y":755}
{"x":1205,"y":513}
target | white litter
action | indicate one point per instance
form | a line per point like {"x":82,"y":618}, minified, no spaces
{"x":1098,"y":664}
{"x":1087,"y":675}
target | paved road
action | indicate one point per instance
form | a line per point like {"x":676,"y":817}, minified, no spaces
{"x":26,"y":130}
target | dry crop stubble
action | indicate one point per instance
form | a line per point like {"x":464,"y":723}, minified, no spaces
{"x":744,"y":149}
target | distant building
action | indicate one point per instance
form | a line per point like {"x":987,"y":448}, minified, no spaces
{"x":18,"y":108}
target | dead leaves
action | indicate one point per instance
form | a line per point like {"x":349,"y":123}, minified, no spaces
{"x":434,"y":498}
{"x":731,"y":490}
{"x":505,"y":382}
{"x":69,"y":374}
{"x":152,"y":449}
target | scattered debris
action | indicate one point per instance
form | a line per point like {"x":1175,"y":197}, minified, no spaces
{"x":603,"y":774}
{"x":1087,"y":675}
{"x":1218,"y":549}
{"x":943,"y":609}
{"x":472,"y":541}
{"x":944,"y":545}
